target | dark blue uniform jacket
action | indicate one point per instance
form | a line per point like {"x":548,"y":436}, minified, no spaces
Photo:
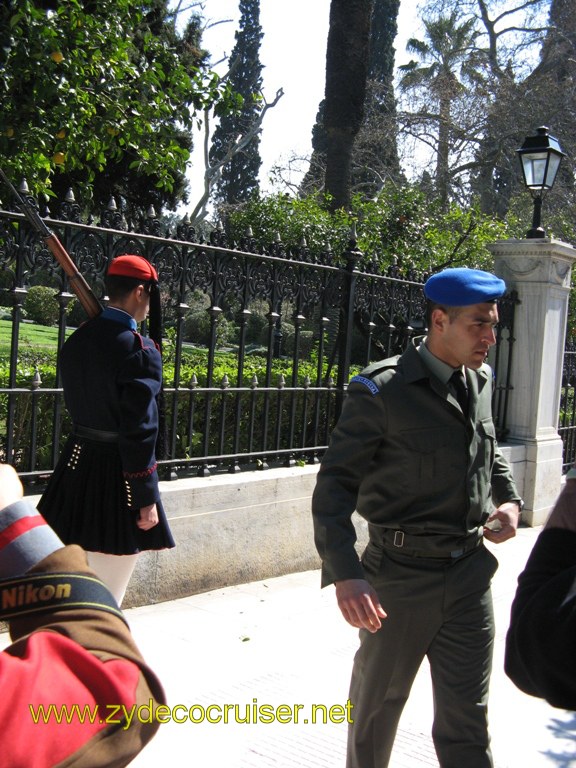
{"x":111,"y":377}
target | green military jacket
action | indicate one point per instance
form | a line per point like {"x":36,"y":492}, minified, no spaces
{"x":406,"y":458}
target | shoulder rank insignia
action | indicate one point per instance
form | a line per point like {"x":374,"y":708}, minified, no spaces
{"x":366,"y":382}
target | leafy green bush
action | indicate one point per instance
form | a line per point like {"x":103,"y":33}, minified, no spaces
{"x":31,"y":410}
{"x":256,"y":323}
{"x":288,"y":340}
{"x":401,"y":227}
{"x":41,"y":305}
{"x":197,"y":328}
{"x":75,"y":314}
{"x":202,"y":418}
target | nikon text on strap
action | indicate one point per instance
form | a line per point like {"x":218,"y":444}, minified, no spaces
{"x":43,"y":592}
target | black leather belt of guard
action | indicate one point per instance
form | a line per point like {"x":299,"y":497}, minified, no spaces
{"x":421,"y":546}
{"x":39,"y":593}
{"x":98,"y":435}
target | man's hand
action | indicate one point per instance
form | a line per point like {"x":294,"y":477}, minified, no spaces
{"x":504,"y":522}
{"x":360,"y":604}
{"x":563,"y":513}
{"x":10,"y":486}
{"x":148,"y":517}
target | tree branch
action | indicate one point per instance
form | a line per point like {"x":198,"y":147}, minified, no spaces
{"x":213,"y":171}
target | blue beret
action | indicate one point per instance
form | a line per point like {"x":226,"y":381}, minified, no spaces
{"x":460,"y":287}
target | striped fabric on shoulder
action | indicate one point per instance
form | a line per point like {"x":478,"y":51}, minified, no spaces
{"x":25,"y":539}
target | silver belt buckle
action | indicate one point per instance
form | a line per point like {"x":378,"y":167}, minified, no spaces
{"x":398,"y":539}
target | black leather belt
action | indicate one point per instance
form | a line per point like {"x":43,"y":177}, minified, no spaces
{"x":432,"y":545}
{"x":98,"y":435}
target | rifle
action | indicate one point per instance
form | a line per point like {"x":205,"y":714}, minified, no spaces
{"x":78,"y":284}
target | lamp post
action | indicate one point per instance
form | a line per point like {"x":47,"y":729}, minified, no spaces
{"x":540,"y":158}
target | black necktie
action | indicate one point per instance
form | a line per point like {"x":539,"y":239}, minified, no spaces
{"x":461,"y":391}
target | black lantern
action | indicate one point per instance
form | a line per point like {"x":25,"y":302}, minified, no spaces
{"x":540,"y":157}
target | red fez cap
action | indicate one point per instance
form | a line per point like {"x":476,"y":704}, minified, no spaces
{"x":133,"y":266}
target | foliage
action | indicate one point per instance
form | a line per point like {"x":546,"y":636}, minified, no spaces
{"x":402,"y":227}
{"x":135,"y":192}
{"x":197,"y":328}
{"x":484,"y":62}
{"x":31,"y":409}
{"x":303,"y":221}
{"x":34,"y":411}
{"x":445,"y":65}
{"x":195,"y":363}
{"x":375,"y":152}
{"x":41,"y":306}
{"x":86,"y":85}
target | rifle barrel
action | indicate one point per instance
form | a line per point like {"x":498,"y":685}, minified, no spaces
{"x":78,"y":284}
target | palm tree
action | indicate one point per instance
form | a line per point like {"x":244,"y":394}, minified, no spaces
{"x":447,"y":58}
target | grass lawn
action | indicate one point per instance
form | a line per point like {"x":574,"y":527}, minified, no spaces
{"x":36,"y":336}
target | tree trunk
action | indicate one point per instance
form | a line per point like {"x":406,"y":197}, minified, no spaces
{"x":442,"y":159}
{"x":347,"y":58}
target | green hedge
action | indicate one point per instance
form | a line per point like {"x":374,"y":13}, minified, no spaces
{"x":34,"y":409}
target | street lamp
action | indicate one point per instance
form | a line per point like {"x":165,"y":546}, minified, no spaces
{"x":540,"y":158}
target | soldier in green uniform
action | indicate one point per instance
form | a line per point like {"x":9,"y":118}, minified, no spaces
{"x":415,"y":453}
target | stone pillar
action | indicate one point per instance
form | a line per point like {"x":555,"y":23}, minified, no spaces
{"x":540,"y":271}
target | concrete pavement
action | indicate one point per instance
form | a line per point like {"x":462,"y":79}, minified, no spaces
{"x":280,"y":647}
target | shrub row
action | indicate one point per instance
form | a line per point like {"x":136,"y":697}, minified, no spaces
{"x":204,"y":420}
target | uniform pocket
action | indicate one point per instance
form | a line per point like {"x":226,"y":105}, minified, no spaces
{"x":487,"y":433}
{"x":431,"y":458}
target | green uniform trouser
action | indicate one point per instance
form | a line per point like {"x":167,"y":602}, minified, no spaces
{"x":442,"y":609}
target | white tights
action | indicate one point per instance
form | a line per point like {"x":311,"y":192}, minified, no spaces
{"x":114,"y":570}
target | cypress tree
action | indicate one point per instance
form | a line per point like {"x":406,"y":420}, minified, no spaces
{"x":239,"y":178}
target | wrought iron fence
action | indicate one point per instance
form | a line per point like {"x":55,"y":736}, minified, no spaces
{"x":567,"y":415}
{"x":268,"y":391}
{"x":500,"y":357}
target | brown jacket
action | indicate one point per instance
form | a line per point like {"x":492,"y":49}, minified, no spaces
{"x":78,"y":656}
